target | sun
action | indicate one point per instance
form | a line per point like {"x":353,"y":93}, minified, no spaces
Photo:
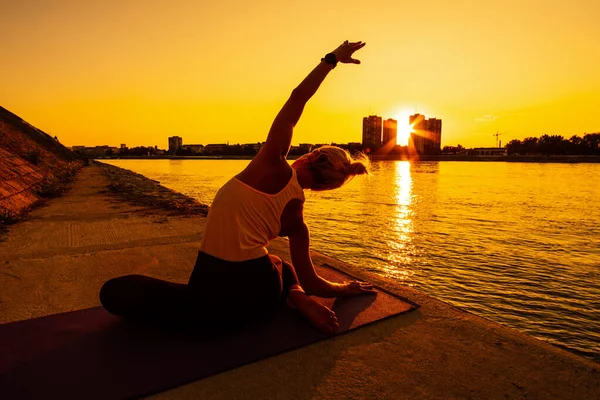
{"x":404,"y":127}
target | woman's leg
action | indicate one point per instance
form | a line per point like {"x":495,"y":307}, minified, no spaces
{"x":220,"y":295}
{"x":233,"y":294}
{"x":148,"y":300}
{"x":289,"y":279}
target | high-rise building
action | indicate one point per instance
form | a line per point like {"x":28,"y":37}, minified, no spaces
{"x":426,"y":137}
{"x":371,"y":133}
{"x":417,"y":139}
{"x":434,"y":128}
{"x":175,"y":143}
{"x":390,"y":131}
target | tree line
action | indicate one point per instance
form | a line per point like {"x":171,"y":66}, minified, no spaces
{"x":589,"y":144}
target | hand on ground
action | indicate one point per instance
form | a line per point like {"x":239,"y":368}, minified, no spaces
{"x":355,"y":288}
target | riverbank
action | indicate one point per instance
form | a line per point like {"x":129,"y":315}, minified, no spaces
{"x":25,"y":185}
{"x":377,"y":157}
{"x":57,"y":259}
{"x":33,"y":167}
{"x":139,"y":190}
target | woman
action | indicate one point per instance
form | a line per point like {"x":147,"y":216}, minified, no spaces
{"x":235,"y":280}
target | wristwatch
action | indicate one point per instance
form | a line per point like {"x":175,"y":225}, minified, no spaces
{"x":330,"y":58}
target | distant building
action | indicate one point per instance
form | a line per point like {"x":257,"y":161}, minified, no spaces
{"x":123,"y":146}
{"x":215,"y":148}
{"x":301,"y":149}
{"x":426,"y":137}
{"x":371,"y":133}
{"x":194,"y":148}
{"x":258,"y":145}
{"x":417,"y":137}
{"x":354,"y":146}
{"x":175,"y":143}
{"x":305,"y":147}
{"x":490,"y":151}
{"x":390,"y":131}
{"x":94,"y":151}
{"x":434,"y":129}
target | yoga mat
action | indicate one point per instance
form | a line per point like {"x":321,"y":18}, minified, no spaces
{"x":90,"y":354}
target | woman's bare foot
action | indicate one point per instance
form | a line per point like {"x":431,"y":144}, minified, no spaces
{"x":316,"y":313}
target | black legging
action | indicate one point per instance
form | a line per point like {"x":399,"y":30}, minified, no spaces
{"x":220,"y":295}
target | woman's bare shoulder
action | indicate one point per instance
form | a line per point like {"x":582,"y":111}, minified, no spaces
{"x":268,"y":177}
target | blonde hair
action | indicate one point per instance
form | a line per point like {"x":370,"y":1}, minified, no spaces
{"x":332,"y":166}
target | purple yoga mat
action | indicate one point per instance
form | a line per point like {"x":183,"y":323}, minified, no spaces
{"x":90,"y":354}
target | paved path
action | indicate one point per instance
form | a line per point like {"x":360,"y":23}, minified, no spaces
{"x":57,"y":260}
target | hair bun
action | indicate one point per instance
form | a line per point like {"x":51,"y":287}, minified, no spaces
{"x":356,"y":168}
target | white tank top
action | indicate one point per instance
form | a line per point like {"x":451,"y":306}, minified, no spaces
{"x":242,"y":220}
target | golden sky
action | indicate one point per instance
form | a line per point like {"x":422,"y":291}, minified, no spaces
{"x":138,"y":71}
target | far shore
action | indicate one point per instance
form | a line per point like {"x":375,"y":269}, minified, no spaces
{"x":376,"y":157}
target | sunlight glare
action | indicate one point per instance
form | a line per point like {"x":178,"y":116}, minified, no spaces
{"x":404,"y":127}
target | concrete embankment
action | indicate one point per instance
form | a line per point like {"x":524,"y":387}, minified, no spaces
{"x":33,"y":166}
{"x":58,"y":258}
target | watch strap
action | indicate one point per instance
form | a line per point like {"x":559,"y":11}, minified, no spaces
{"x":330,"y":58}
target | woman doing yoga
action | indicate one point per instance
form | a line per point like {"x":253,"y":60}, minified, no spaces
{"x":235,"y":280}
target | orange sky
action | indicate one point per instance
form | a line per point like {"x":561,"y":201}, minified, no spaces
{"x":138,"y":71}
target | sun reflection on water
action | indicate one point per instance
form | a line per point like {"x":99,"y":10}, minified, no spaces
{"x":403,"y":183}
{"x":400,"y":248}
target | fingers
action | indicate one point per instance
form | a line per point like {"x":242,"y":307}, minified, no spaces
{"x":355,"y":45}
{"x":333,"y":323}
{"x":366,"y":288}
{"x":352,"y":47}
{"x":358,"y":287}
{"x":350,"y":61}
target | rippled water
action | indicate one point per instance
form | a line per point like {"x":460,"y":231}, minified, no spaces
{"x":517,"y":243}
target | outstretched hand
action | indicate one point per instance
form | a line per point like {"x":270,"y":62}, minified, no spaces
{"x":345,"y":51}
{"x":355,"y":288}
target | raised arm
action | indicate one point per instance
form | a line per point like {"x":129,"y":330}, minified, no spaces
{"x":280,"y":135}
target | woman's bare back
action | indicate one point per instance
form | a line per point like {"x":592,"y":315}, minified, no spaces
{"x":270,"y":179}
